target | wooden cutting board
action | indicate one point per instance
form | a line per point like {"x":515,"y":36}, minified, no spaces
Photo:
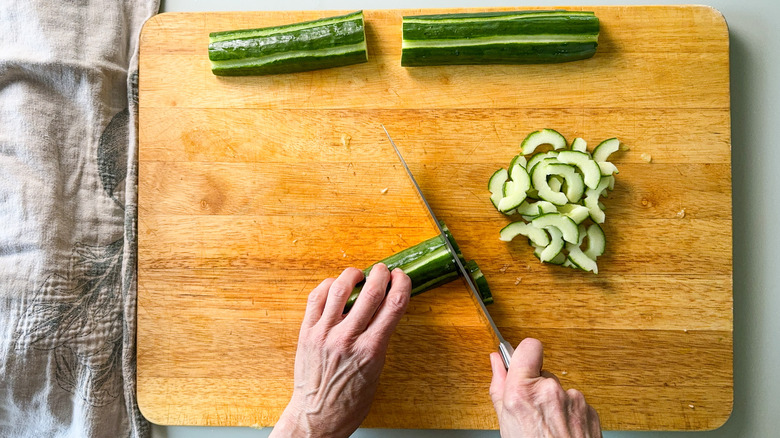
{"x":254,"y":189}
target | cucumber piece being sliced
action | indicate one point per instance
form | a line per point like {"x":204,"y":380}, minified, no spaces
{"x":544,"y":136}
{"x":479,"y":281}
{"x":605,"y":149}
{"x":591,"y":173}
{"x":565,"y":224}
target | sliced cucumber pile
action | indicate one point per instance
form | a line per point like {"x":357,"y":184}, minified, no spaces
{"x":557,"y":194}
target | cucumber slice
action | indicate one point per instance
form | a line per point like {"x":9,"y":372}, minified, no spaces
{"x":597,"y":241}
{"x":590,"y":170}
{"x":577,"y":258}
{"x":554,"y":248}
{"x":577,"y":213}
{"x":559,"y":259}
{"x":575,"y":186}
{"x":324,"y":43}
{"x":555,"y":183}
{"x":580,"y":259}
{"x":515,"y":193}
{"x":536,"y":235}
{"x":592,"y":200}
{"x":565,"y":224}
{"x":496,"y":186}
{"x":605,"y":149}
{"x":579,"y":144}
{"x":536,"y":158}
{"x":518,"y":159}
{"x":607,"y":168}
{"x":479,"y":281}
{"x":544,"y":136}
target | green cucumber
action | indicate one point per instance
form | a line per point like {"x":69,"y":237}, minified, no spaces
{"x":429,"y":264}
{"x":518,"y":37}
{"x":324,"y":43}
{"x":479,"y":281}
{"x":543,"y":136}
{"x":496,"y":186}
{"x":515,"y":190}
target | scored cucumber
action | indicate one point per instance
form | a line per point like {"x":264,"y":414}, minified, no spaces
{"x":429,"y":264}
{"x":516,"y":37}
{"x":324,"y":43}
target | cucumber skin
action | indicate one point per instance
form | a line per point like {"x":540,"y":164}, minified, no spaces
{"x":548,"y":53}
{"x":562,"y":22}
{"x":444,"y":27}
{"x":294,"y":65}
{"x":331,"y":32}
{"x":438,"y":268}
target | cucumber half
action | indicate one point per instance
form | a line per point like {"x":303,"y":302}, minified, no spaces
{"x":513,"y":37}
{"x":324,"y":43}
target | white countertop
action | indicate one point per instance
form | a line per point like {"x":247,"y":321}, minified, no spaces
{"x":755,"y":96}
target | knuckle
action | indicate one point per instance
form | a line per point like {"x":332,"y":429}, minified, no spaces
{"x":551,"y":392}
{"x":514,"y":403}
{"x":576,"y":396}
{"x":314,"y":297}
{"x":397,"y":303}
{"x":339,"y":343}
{"x":340,"y":290}
{"x":373,"y":293}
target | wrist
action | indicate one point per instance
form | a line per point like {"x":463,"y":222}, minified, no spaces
{"x":291,"y":425}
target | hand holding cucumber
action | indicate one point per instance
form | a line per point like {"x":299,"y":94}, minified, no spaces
{"x":340,"y":357}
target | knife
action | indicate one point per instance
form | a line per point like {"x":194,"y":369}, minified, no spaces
{"x":505,"y":349}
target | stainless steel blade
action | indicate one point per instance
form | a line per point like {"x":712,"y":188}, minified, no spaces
{"x":504,"y":347}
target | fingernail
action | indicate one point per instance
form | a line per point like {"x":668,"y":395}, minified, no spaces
{"x":399,"y":270}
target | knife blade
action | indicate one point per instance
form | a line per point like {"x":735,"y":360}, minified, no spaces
{"x":505,"y":349}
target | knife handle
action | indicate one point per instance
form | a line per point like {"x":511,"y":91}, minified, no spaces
{"x":506,"y":350}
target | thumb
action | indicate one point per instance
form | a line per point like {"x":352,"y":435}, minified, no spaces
{"x":497,"y":383}
{"x":526,"y":360}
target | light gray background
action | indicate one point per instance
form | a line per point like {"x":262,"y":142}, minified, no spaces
{"x":755,"y":93}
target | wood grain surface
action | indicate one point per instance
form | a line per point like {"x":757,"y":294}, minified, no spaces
{"x":254,"y":189}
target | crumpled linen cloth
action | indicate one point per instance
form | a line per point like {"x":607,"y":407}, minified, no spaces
{"x":68,"y":75}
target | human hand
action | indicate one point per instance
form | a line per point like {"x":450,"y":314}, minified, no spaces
{"x":340,"y":357}
{"x":531,"y":403}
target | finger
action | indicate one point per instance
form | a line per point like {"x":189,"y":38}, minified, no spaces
{"x":594,"y":423}
{"x":497,"y":382}
{"x":371,"y":296}
{"x":526,"y":360}
{"x":577,"y":413}
{"x":338,"y":294}
{"x":316,"y":303}
{"x":391,"y":310}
